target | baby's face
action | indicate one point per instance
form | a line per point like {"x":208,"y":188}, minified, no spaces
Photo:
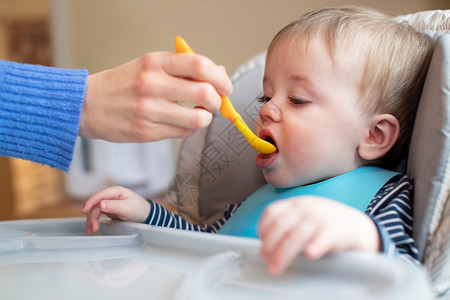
{"x":311,"y":114}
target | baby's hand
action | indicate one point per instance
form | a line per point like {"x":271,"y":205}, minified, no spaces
{"x":314,"y":226}
{"x":117,"y":203}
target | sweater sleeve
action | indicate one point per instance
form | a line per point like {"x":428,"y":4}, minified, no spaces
{"x":40,"y":109}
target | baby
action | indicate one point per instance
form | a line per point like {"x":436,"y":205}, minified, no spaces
{"x":341,"y":88}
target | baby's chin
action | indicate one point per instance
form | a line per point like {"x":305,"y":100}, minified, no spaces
{"x":278,"y":182}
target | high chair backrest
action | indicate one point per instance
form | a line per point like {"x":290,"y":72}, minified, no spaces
{"x":429,"y":156}
{"x":216,"y":166}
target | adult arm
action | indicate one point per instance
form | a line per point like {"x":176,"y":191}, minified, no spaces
{"x":41,"y":107}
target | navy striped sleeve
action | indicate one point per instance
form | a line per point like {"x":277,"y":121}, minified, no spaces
{"x":159,"y":216}
{"x":391,"y":209}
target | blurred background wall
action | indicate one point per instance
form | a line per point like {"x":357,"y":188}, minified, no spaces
{"x":101,"y":34}
{"x":104,"y":33}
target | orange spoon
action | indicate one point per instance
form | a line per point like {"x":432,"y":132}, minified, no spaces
{"x":227,"y":110}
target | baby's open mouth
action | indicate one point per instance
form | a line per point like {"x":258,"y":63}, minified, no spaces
{"x":266,"y":135}
{"x":270,"y":140}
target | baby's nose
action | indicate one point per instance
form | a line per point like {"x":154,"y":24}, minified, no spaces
{"x":270,"y":111}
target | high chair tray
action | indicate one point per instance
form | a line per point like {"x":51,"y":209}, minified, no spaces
{"x":55,"y":259}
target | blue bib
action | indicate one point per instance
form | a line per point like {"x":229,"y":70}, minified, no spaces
{"x":355,"y":188}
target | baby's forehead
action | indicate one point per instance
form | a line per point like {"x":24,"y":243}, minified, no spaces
{"x":348,"y":64}
{"x":346,"y":53}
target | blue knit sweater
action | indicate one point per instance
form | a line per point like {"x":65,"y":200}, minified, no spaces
{"x":40,"y":110}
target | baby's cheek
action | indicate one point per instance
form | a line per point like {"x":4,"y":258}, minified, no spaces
{"x":258,"y":125}
{"x":300,"y":153}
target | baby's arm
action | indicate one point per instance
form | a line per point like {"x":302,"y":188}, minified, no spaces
{"x":323,"y":226}
{"x":117,"y":203}
{"x":122,"y":204}
{"x":159,"y":216}
{"x":314,"y":226}
{"x":391,"y":210}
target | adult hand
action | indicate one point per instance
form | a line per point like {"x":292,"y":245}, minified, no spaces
{"x":313,"y":226}
{"x":117,"y":203}
{"x":139,"y":101}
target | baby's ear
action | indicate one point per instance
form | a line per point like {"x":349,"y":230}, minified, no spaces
{"x":382,"y":135}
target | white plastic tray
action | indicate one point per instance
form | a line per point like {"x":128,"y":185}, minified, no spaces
{"x":55,"y":259}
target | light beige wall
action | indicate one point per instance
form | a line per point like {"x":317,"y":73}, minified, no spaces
{"x":14,"y":11}
{"x":105,"y":33}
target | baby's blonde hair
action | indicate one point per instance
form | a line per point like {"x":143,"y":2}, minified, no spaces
{"x":392,"y":58}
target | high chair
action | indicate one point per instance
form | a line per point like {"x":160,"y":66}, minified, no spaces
{"x":55,"y":259}
{"x":217,"y":158}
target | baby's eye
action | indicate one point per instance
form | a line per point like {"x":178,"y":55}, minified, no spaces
{"x":263,"y":99}
{"x":297,"y":101}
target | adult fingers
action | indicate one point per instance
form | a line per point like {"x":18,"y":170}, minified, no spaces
{"x":199,"y":68}
{"x":172,"y":113}
{"x":159,"y":132}
{"x":160,"y":85}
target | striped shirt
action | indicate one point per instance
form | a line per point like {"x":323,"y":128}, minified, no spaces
{"x":390,"y":209}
